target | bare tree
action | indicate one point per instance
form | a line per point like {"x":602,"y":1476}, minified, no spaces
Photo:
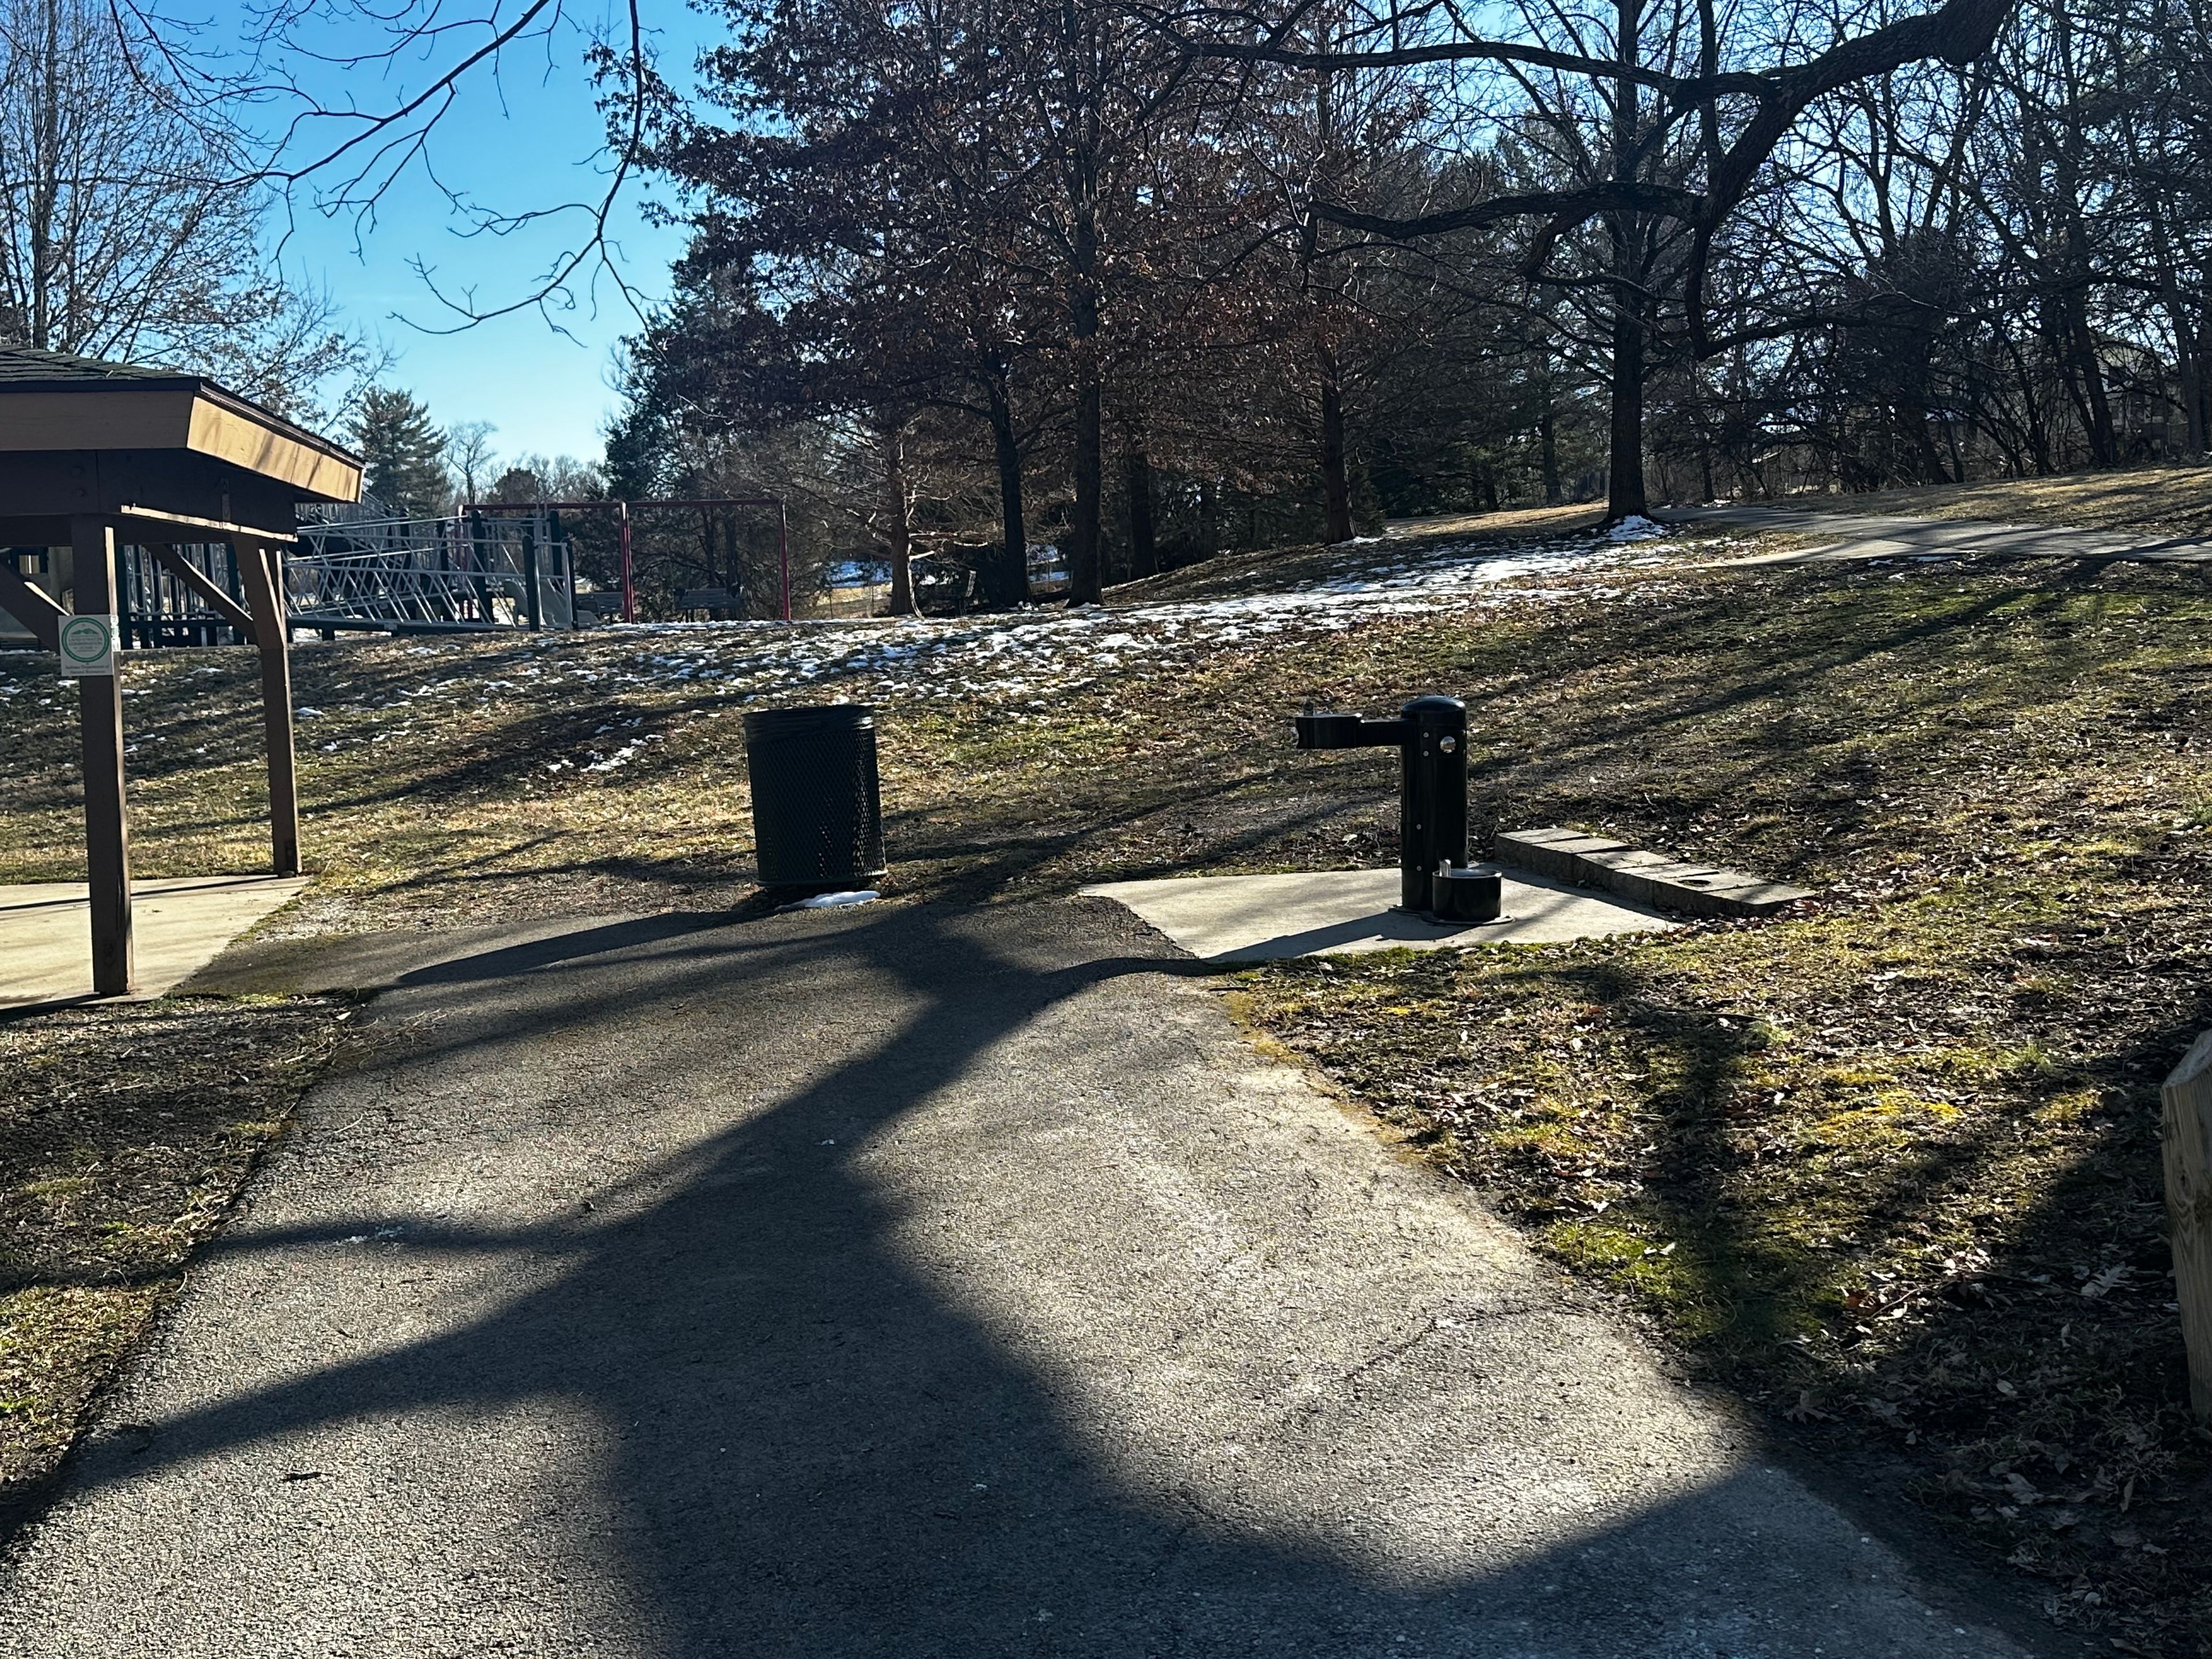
{"x":1729,"y":105}
{"x":469,"y":453}
{"x":129,"y":226}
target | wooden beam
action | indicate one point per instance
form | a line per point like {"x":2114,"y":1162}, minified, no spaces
{"x":2187,"y":1133}
{"x":200,"y":582}
{"x":261,"y":566}
{"x":162,"y":495}
{"x":182,"y":416}
{"x":107,"y":821}
{"x":135,"y":517}
{"x":29,"y":605}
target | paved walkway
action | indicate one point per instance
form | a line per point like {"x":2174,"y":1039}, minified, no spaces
{"x":1855,"y":536}
{"x":894,"y":1282}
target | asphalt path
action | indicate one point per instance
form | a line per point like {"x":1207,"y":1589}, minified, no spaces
{"x":902,"y":1281}
{"x":1853,"y":535}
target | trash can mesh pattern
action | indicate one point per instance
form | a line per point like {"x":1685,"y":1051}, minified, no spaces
{"x":818,"y":812}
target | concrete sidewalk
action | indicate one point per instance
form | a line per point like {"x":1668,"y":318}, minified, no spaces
{"x":1246,"y":918}
{"x":1852,"y":536}
{"x":180,"y":923}
{"x":900,"y":1282}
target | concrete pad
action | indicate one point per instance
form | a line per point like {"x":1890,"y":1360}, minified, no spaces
{"x":179,"y":924}
{"x":1555,"y":852}
{"x":1333,"y":912}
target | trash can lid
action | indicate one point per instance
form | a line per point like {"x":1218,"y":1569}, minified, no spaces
{"x":804,"y":721}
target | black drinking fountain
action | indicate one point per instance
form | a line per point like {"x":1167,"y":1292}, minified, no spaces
{"x":1430,"y":735}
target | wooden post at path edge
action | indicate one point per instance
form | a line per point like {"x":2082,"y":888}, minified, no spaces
{"x":107,"y":825}
{"x":2186,"y":1132}
{"x":261,"y":566}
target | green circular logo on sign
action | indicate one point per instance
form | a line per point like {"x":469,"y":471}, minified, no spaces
{"x":83,"y":639}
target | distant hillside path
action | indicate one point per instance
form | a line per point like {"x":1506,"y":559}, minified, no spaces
{"x":1857,"y":535}
{"x":899,"y":1281}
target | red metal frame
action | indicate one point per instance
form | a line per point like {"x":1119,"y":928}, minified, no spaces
{"x":628,"y":576}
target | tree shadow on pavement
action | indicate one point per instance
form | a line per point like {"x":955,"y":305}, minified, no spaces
{"x":804,"y":1445}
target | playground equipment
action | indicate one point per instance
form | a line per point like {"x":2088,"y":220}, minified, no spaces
{"x":624,"y":511}
{"x":474,"y":570}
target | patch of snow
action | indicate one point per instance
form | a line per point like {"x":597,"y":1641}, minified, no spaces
{"x":833,"y":900}
{"x":622,"y":757}
{"x":1636,"y":528}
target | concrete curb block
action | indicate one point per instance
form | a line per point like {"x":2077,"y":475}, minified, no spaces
{"x":1644,"y":877}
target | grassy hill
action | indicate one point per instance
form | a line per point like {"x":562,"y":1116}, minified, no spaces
{"x":1888,"y":1167}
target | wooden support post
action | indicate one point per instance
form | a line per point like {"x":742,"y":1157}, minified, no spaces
{"x":2187,"y":1133}
{"x":106,"y":822}
{"x":263,"y":568}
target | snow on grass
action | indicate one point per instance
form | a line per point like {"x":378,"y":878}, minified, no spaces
{"x":1022,"y":659}
{"x":1036,"y":652}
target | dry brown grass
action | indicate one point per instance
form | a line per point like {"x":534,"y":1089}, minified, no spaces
{"x":1903,"y":1147}
{"x":2178,"y":498}
{"x":126,"y":1132}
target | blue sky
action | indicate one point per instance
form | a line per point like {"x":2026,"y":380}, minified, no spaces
{"x":527,"y":141}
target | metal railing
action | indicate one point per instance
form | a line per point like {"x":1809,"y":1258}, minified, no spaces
{"x":463,"y":574}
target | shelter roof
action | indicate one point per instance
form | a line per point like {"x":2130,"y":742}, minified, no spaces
{"x":51,"y":400}
{"x":27,"y":366}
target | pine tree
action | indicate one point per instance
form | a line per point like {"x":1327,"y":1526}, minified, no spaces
{"x":404,"y":452}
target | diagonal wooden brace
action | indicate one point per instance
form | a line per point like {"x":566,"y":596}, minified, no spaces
{"x":29,"y":605}
{"x":203,"y":585}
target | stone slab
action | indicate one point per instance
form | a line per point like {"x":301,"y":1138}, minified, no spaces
{"x":1327,"y":913}
{"x":1555,"y":852}
{"x":179,"y":924}
{"x":1642,"y":877}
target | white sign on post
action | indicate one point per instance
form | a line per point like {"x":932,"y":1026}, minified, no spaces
{"x":88,"y":646}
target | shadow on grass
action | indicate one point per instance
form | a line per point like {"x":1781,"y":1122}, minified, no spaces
{"x":2013,"y":1362}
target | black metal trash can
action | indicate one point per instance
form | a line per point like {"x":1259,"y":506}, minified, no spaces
{"x":818,"y":812}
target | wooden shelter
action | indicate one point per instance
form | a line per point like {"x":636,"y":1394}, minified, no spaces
{"x":94,"y":454}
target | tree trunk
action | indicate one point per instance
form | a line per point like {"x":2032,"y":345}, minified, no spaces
{"x":734,"y":566}
{"x":2103,"y":438}
{"x":2188,"y":365}
{"x":1209,"y":518}
{"x":1084,"y":577}
{"x":1084,"y":574}
{"x":1547,"y":431}
{"x":1624,"y":484}
{"x":898,"y":527}
{"x":45,"y":193}
{"x":1006,"y":582}
{"x":1137,"y":476}
{"x":1335,"y":487}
